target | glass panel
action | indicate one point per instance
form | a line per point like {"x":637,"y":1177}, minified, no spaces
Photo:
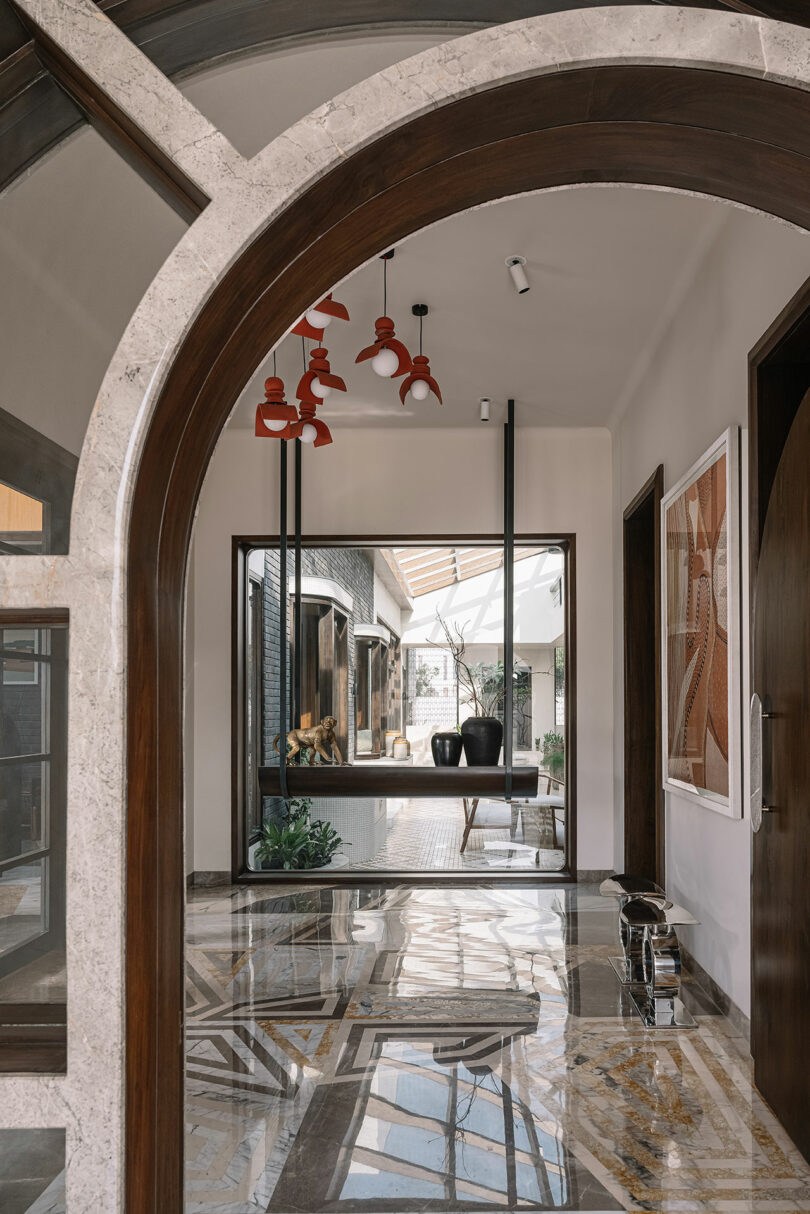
{"x":32,"y":1171}
{"x":24,"y":806}
{"x":21,"y":521}
{"x":23,"y":908}
{"x":33,"y":721}
{"x":538,"y":699}
{"x":24,"y":694}
{"x":443,"y":664}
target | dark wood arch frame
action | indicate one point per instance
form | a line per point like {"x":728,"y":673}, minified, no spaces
{"x":721,"y":134}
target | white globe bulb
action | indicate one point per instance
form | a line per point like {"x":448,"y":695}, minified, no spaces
{"x":320,"y":390}
{"x":275,"y":425}
{"x":308,"y":433}
{"x":419,"y":389}
{"x":318,"y":320}
{"x":385,"y":363}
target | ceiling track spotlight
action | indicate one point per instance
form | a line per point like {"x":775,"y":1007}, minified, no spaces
{"x":516,"y":265}
{"x":420,"y":382}
{"x":389,"y":357}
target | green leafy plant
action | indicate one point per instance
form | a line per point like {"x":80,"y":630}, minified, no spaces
{"x":553,"y":751}
{"x":296,"y":842}
{"x":424,"y":679}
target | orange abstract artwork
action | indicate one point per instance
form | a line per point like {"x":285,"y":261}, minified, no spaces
{"x":697,"y":633}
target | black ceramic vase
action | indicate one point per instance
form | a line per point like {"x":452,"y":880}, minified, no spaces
{"x":446,"y":749}
{"x":482,"y":738}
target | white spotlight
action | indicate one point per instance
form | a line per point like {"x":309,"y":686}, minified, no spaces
{"x":516,"y":264}
{"x":484,"y":403}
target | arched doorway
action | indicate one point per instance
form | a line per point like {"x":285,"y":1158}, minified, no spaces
{"x":648,"y":109}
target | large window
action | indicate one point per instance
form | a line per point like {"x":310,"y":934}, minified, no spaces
{"x":390,"y":638}
{"x":33,"y":718}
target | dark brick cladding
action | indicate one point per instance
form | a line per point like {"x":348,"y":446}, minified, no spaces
{"x":353,"y":570}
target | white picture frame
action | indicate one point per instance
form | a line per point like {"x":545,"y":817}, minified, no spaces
{"x":675,"y":620}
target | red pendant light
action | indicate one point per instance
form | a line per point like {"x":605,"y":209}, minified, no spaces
{"x":420,"y":382}
{"x":309,"y":428}
{"x":318,"y":381}
{"x":389,"y":357}
{"x":313,"y":322}
{"x":274,"y":416}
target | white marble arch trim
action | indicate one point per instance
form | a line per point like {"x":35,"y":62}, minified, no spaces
{"x":92,"y":581}
{"x":105,"y":55}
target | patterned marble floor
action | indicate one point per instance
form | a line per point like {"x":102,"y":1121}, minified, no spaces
{"x":455,"y":1049}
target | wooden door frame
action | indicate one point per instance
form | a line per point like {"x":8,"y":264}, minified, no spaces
{"x":649,"y":495}
{"x":715,"y":132}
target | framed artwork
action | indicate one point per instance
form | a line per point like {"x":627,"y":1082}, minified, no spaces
{"x":701,"y":631}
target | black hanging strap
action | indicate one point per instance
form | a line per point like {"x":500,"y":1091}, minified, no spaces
{"x":282,"y":631}
{"x":508,"y":590}
{"x":297,"y":614}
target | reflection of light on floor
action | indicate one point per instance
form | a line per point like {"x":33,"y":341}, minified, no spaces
{"x":431,"y":1129}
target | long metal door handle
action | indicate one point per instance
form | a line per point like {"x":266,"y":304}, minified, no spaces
{"x":759,"y":767}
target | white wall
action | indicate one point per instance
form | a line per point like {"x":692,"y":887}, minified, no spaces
{"x":695,"y":387}
{"x":419,"y":481}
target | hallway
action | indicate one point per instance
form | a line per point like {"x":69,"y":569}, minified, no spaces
{"x":453,"y":1049}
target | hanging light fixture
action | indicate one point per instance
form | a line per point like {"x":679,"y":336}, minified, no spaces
{"x":389,"y":357}
{"x":317,"y":382}
{"x":274,"y":416}
{"x":420,"y":382}
{"x":313,"y":322}
{"x":314,"y":386}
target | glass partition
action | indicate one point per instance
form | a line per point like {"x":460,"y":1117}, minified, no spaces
{"x":403,"y":648}
{"x":33,"y":726}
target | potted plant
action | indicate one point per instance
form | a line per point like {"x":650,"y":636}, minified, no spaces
{"x":554,"y":752}
{"x":297,"y":843}
{"x":482,"y":689}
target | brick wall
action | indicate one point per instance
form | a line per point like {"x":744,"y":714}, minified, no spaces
{"x":352,"y":569}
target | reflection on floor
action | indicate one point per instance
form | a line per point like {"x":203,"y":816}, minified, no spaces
{"x":453,"y":1049}
{"x":425,"y":835}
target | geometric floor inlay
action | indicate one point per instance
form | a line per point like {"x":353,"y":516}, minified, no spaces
{"x":455,"y":1049}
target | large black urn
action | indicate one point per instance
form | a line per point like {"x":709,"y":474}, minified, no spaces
{"x":446,"y":749}
{"x":482,"y":738}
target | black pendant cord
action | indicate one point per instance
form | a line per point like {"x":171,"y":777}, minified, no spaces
{"x":283,"y":630}
{"x":297,"y":613}
{"x":508,"y":589}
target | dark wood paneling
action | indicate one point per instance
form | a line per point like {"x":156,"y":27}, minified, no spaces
{"x":361,"y":780}
{"x":780,"y":900}
{"x":643,"y":796}
{"x":445,"y":161}
{"x":778,"y":376}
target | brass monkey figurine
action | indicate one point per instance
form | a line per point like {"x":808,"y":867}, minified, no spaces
{"x":316,"y":738}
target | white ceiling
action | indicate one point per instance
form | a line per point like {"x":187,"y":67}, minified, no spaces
{"x":607,"y":268}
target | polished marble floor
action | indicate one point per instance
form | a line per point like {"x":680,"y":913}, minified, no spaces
{"x":458,"y":1049}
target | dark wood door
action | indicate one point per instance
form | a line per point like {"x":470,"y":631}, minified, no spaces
{"x":643,"y":791}
{"x":781,"y":873}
